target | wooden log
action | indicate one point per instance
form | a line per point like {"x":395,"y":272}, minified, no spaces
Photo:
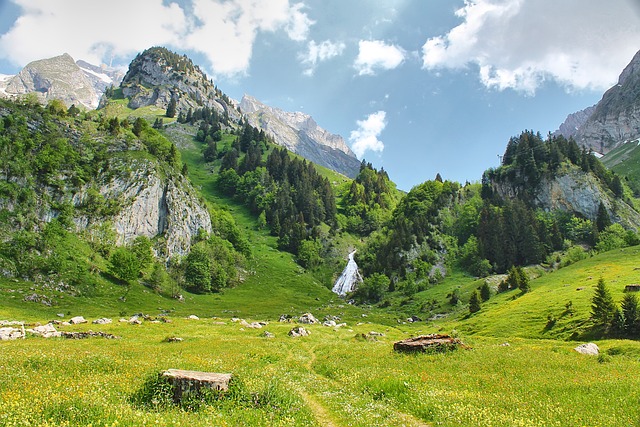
{"x":428,"y":343}
{"x":632,"y":288}
{"x":192,"y":381}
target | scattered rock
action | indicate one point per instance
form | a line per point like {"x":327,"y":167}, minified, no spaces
{"x":82,"y":335}
{"x":60,"y":314}
{"x":504,"y":344}
{"x":376,"y":334}
{"x":123,"y":320}
{"x":193,"y":317}
{"x":173,"y":339}
{"x":308,"y":319}
{"x":286,"y":318}
{"x":236,"y":320}
{"x":414,"y":319}
{"x":429,"y":343}
{"x":329,"y":323}
{"x":580,"y":288}
{"x":45,"y":331}
{"x":135,"y":320}
{"x":219,"y":323}
{"x":588,"y":348}
{"x":268,"y":334}
{"x":77,"y":320}
{"x":102,"y":321}
{"x":10,"y":333}
{"x":299,"y":331}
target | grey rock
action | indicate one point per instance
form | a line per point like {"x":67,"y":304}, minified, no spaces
{"x":102,"y":321}
{"x":77,"y":320}
{"x":193,"y":317}
{"x":268,"y":334}
{"x":308,"y":319}
{"x":10,"y":333}
{"x":299,"y":331}
{"x":298,"y":132}
{"x":588,"y":348}
{"x":45,"y":331}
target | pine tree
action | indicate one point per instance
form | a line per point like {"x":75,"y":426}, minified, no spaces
{"x":171,"y":108}
{"x":602,"y":306}
{"x":631,"y":314}
{"x":485,"y":292}
{"x":602,"y":220}
{"x":474,"y":302}
{"x":524,"y":281}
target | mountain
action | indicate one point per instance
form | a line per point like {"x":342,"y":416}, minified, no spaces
{"x":574,"y":121}
{"x":157,"y":76}
{"x":616,"y":118}
{"x":298,"y":132}
{"x":62,"y":78}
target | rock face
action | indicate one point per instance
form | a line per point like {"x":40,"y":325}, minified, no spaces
{"x":298,"y":132}
{"x":576,"y":192}
{"x":574,"y":121}
{"x":154,"y":203}
{"x":616,"y":118}
{"x":62,"y":78}
{"x":157,"y":75}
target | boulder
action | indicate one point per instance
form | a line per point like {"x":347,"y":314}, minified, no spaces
{"x":193,"y":317}
{"x":77,"y":320}
{"x":173,"y":339}
{"x":102,"y":321}
{"x":88,"y":334}
{"x":588,"y":348}
{"x":10,"y":333}
{"x":299,"y":331}
{"x":287,"y":318}
{"x":45,"y":331}
{"x":308,"y":319}
{"x":268,"y":334}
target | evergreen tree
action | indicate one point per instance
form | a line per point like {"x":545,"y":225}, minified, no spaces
{"x":524,"y":285}
{"x":474,"y":302}
{"x":171,"y":108}
{"x":631,"y":314}
{"x":602,"y":306}
{"x":616,"y":186}
{"x":485,"y":292}
{"x":602,"y":220}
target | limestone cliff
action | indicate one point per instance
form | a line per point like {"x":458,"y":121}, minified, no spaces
{"x":298,"y":132}
{"x":571,"y":190}
{"x":154,"y":203}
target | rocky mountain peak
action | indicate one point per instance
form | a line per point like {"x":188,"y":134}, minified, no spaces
{"x":54,"y":78}
{"x":158,"y":75}
{"x":616,"y":118}
{"x":300,"y":133}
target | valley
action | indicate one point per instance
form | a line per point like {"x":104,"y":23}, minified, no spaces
{"x":205,"y":241}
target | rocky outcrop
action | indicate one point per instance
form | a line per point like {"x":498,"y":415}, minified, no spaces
{"x":616,"y":118}
{"x":101,"y":77}
{"x":576,"y":192}
{"x":157,"y":75}
{"x":55,"y":78}
{"x":154,"y":204}
{"x":574,"y":121}
{"x":298,"y":132}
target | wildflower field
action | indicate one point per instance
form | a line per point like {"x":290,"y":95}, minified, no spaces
{"x":333,"y":377}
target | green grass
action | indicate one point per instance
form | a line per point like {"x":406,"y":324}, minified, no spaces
{"x":326,"y":379}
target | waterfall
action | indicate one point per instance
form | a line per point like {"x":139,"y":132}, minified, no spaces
{"x":349,"y":279}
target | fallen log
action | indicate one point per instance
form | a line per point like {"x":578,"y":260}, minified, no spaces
{"x":437,"y":343}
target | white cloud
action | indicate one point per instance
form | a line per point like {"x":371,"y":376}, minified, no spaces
{"x":376,"y":54}
{"x":223,"y":30}
{"x":365,"y":138}
{"x":519,"y":44}
{"x":320,"y":52}
{"x":89,"y":30}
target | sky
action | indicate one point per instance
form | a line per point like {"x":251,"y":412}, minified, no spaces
{"x":417,"y":87}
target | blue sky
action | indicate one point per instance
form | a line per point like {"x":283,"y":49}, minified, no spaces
{"x":417,"y":87}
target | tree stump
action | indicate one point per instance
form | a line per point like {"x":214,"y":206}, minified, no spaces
{"x":193,"y":381}
{"x":436,"y":343}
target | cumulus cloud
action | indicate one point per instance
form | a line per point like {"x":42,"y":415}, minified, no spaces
{"x":320,"y":52}
{"x":376,"y":54}
{"x":88,"y":30}
{"x":365,"y":138}
{"x":519,"y":44}
{"x":224,"y":31}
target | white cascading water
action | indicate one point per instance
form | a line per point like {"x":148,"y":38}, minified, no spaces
{"x":349,"y":279}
